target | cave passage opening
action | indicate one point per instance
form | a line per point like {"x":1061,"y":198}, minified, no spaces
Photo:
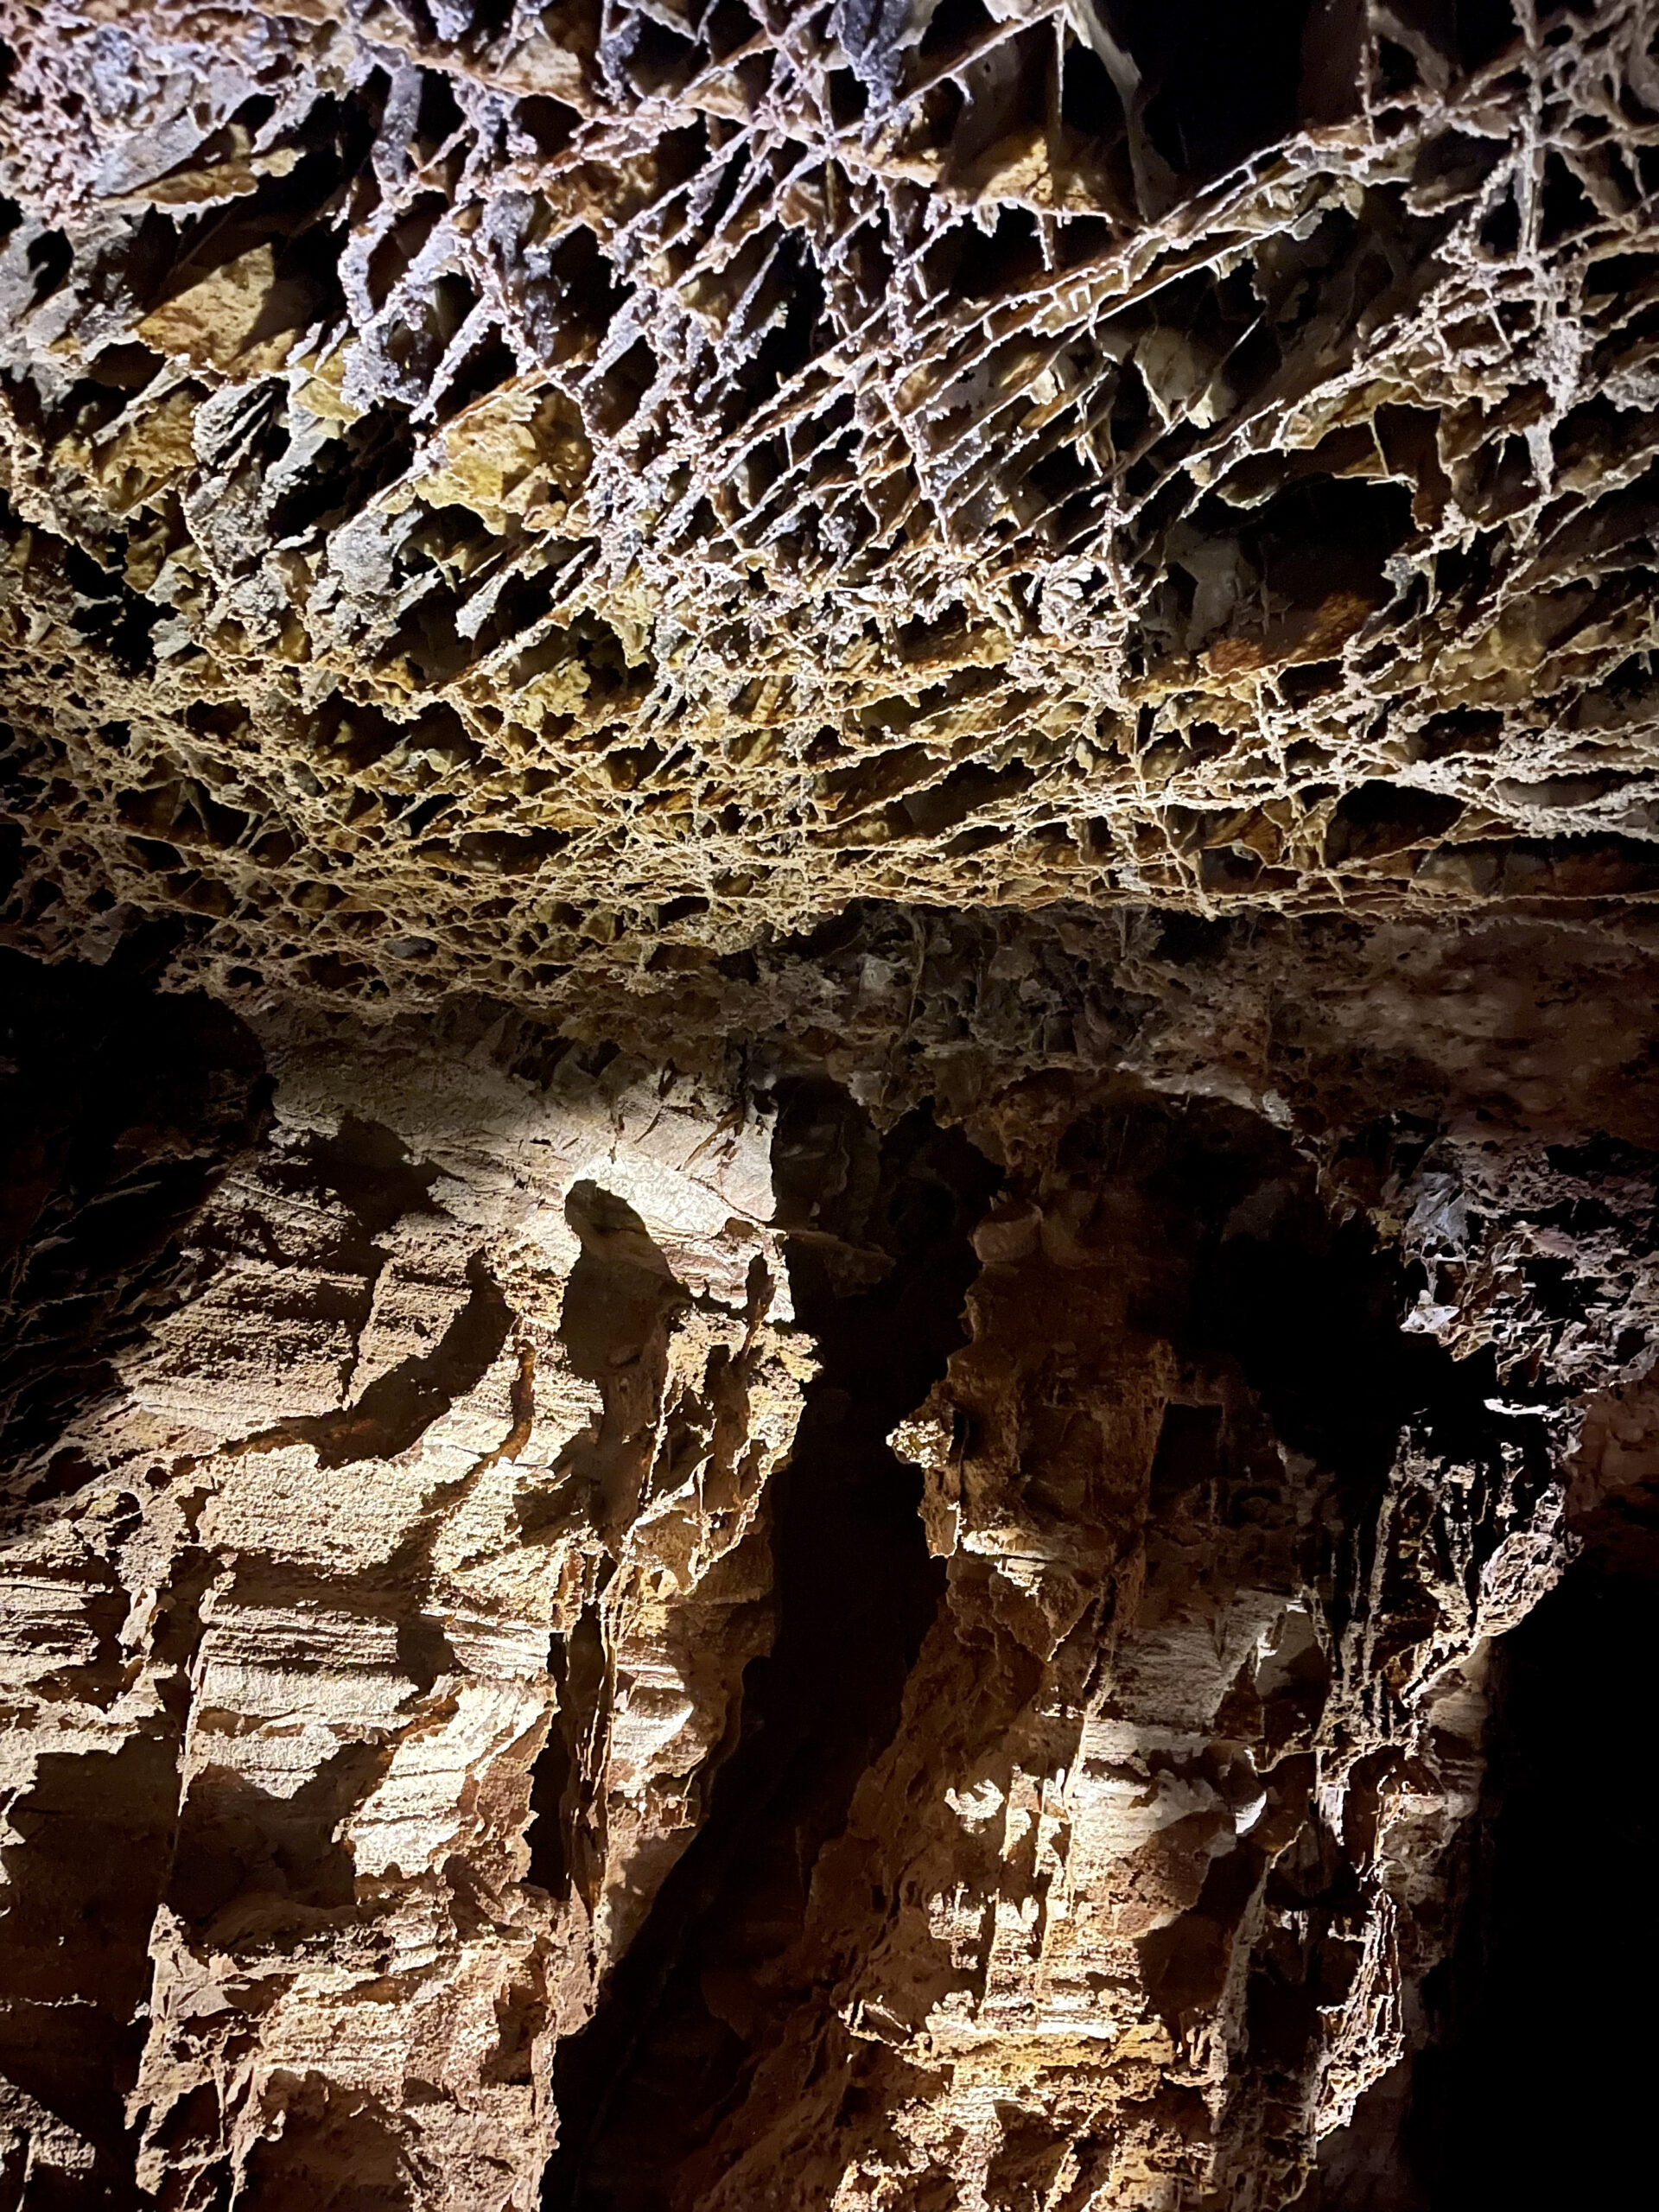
{"x":880,"y":1258}
{"x":1542,"y":2081}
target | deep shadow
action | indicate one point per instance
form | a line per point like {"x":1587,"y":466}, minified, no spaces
{"x":1249,"y":1262}
{"x":338,"y":2150}
{"x":1543,"y":2089}
{"x":1224,"y":80}
{"x":879,"y":1266}
{"x":399,"y":1406}
{"x":121,"y":1108}
{"x":82,"y":1882}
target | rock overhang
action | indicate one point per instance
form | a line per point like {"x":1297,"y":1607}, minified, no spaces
{"x":531,"y":500}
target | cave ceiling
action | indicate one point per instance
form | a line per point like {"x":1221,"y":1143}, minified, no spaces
{"x":524,"y":499}
{"x":829,"y":1101}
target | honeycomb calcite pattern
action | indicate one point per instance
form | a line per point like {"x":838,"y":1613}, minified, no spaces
{"x":513,"y":497}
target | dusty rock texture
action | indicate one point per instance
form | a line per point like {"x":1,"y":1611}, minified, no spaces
{"x":509,"y":495}
{"x":829,"y":840}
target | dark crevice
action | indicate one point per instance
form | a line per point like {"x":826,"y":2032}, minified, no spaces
{"x":1250,"y":1264}
{"x":567,"y":1851}
{"x":1224,"y":81}
{"x":1539,"y":2089}
{"x":551,"y":1782}
{"x":121,"y":1108}
{"x":92,"y":1832}
{"x":1254,"y":1264}
{"x":879,"y":1266}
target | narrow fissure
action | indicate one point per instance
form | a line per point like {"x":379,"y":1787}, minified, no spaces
{"x":880,"y":1263}
{"x":1560,"y":1932}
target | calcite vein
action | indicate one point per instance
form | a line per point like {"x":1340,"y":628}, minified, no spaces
{"x":508,"y":497}
{"x":828,"y":852}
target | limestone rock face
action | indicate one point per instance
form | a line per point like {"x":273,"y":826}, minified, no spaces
{"x":638,"y":1640}
{"x":370,"y":1635}
{"x":828,"y":852}
{"x":507,"y":495}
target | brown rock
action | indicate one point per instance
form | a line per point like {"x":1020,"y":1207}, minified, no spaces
{"x":827,"y":1200}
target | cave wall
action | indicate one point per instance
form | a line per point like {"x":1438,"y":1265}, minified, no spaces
{"x":634,"y":1639}
{"x":371,"y":1630}
{"x":829,"y":946}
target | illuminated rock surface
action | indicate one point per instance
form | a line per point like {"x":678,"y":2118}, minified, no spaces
{"x":829,"y":1090}
{"x":509,"y":495}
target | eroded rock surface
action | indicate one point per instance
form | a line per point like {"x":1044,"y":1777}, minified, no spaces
{"x":370,"y":1635}
{"x":829,"y":851}
{"x":508,"y":495}
{"x":640,"y":1641}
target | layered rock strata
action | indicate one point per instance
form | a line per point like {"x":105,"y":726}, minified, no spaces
{"x":640,"y":1641}
{"x":371,"y":1636}
{"x":828,"y":841}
